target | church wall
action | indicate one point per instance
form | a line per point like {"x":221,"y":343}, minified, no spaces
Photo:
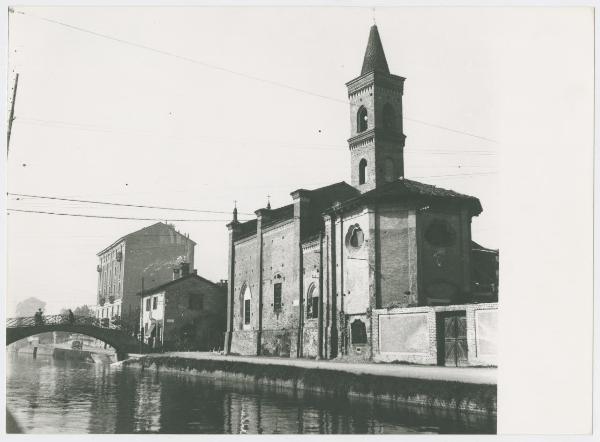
{"x":279,"y":332}
{"x":442,"y":263}
{"x":311,"y":273}
{"x":243,"y":339}
{"x":355,"y":265}
{"x":397,"y":257}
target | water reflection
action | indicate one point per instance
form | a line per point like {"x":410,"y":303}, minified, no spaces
{"x":48,"y":396}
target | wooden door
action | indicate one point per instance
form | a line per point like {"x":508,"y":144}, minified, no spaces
{"x":452,"y":339}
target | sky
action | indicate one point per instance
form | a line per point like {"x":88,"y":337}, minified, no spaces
{"x":198,"y":107}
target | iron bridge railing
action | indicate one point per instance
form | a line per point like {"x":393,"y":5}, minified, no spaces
{"x":33,"y":321}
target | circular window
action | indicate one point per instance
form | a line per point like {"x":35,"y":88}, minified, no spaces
{"x":440,"y":233}
{"x":355,"y":237}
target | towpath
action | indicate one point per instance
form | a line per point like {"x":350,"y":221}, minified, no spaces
{"x":471,"y":375}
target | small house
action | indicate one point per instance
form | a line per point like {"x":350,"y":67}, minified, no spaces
{"x":187,"y":313}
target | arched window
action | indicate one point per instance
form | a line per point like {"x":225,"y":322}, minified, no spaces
{"x":389,"y":174}
{"x":362,"y":171}
{"x":358,"y":330}
{"x":312,"y":302}
{"x":246,"y":298}
{"x":389,"y":116}
{"x":362,"y":119}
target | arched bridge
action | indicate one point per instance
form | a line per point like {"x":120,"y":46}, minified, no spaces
{"x":123,"y":343}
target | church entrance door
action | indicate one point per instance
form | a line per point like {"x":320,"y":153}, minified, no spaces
{"x":452,"y":339}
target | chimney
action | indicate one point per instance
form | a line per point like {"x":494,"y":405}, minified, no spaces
{"x":176,"y":273}
{"x":185,"y":269}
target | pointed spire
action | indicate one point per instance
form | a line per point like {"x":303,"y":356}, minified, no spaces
{"x":235,"y":211}
{"x":269,"y":202}
{"x":374,"y":56}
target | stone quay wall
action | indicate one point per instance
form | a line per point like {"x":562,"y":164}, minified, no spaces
{"x":336,"y":383}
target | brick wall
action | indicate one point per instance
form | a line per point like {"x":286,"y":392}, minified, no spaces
{"x":311,"y":278}
{"x":152,"y":254}
{"x":278,"y":244}
{"x":245,"y":274}
{"x":444,"y":272}
{"x":397,"y":257}
{"x":420,"y":341}
{"x":243,"y":342}
{"x":207,"y":323}
{"x":279,"y":327}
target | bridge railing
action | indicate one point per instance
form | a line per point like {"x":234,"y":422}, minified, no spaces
{"x":33,"y":321}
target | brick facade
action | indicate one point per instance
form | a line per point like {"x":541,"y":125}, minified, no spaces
{"x":341,"y":253}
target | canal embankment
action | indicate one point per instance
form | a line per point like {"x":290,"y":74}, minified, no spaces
{"x":467,"y":389}
{"x":63,"y":352}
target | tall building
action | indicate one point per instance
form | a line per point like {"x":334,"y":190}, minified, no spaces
{"x":372,"y":269}
{"x":140,"y":260}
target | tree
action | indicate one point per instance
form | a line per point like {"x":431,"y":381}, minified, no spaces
{"x":28,"y":307}
{"x":83,"y":310}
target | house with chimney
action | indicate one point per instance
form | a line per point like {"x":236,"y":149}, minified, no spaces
{"x":377,"y":269}
{"x":186,"y":313}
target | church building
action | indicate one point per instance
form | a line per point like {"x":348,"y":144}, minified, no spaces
{"x":377,"y":269}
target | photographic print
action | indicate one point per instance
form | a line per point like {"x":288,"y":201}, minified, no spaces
{"x":253,"y":220}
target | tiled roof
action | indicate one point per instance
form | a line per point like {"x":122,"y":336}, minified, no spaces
{"x":476,"y":246}
{"x":280,"y":214}
{"x":324,"y":197}
{"x":141,"y":232}
{"x":247,"y":228}
{"x":323,"y":200}
{"x":320,"y":199}
{"x":166,"y":285}
{"x":374,"y":56}
{"x":404,"y":188}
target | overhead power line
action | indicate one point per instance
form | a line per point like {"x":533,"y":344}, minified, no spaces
{"x":233,"y":72}
{"x":117,"y":217}
{"x":119,"y":204}
{"x":280,"y":144}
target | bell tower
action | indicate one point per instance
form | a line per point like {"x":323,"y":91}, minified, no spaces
{"x":377,"y":139}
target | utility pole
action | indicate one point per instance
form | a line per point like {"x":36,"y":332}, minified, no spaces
{"x":12,"y":113}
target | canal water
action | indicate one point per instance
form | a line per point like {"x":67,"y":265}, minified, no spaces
{"x":45,"y":395}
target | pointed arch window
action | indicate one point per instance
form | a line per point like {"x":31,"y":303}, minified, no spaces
{"x":389,"y":116}
{"x":312,"y":302}
{"x":362,"y":171}
{"x":277,"y":282}
{"x":362,"y":119}
{"x":246,"y":305}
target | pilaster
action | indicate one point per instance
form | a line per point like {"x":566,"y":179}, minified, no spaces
{"x":233,"y":228}
{"x":262,"y":215}
{"x":301,"y":199}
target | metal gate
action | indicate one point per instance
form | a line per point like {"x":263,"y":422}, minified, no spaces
{"x":452,"y":339}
